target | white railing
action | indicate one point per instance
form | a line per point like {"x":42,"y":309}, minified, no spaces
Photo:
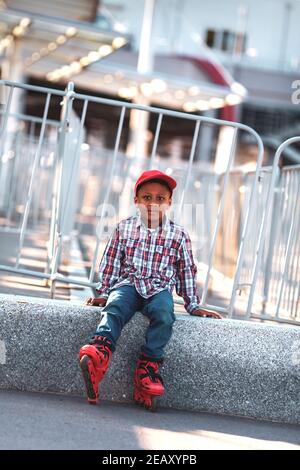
{"x":274,"y":278}
{"x":215,"y":194}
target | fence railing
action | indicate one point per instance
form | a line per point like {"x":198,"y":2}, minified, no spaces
{"x":274,"y":275}
{"x":212,"y":192}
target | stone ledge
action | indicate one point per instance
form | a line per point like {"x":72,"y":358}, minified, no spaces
{"x":229,"y":366}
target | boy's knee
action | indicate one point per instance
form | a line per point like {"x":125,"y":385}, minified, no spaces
{"x":163,"y":300}
{"x":163,"y":312}
{"x":168,"y":319}
{"x":112,"y":303}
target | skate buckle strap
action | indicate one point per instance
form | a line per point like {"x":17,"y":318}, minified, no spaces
{"x":101,"y":341}
{"x":102,"y":344}
{"x":150,"y":372}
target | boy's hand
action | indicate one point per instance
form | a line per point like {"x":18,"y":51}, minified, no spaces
{"x":202,"y":312}
{"x":96,"y":302}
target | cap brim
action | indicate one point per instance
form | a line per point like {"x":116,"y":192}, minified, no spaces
{"x":170,"y":181}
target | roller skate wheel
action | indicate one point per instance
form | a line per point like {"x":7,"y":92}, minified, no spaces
{"x":143,"y":401}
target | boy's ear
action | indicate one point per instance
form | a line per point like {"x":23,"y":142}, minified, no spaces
{"x":135,"y":199}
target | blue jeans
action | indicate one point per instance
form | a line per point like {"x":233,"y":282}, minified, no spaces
{"x":122,"y":304}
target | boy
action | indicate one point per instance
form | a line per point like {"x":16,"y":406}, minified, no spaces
{"x":146,"y":256}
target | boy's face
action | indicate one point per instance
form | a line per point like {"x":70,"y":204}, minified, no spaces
{"x":153,"y":199}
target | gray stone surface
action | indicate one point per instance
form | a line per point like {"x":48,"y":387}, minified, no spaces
{"x":229,"y":367}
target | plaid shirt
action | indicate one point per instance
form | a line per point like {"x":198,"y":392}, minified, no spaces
{"x":151,"y":260}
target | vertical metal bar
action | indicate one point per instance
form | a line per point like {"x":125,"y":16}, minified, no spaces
{"x":24,"y":167}
{"x":291,"y":192}
{"x":274,"y":231}
{"x":191,"y":159}
{"x":286,"y":216}
{"x":296,"y":296}
{"x":243,"y":202}
{"x":209,"y":206}
{"x":246,"y":228}
{"x":257,"y":256}
{"x":32,"y":180}
{"x":5,"y":120}
{"x":65,"y":122}
{"x":276,"y":265}
{"x":157,"y":131}
{"x":262,"y":202}
{"x":219,"y":215}
{"x":12,"y":199}
{"x":79,"y":135}
{"x":287,"y":254}
{"x":292,"y":274}
{"x":284,"y":303}
{"x":64,"y":203}
{"x":37,"y":201}
{"x":3,"y":132}
{"x":287,"y":213}
{"x":50,"y":189}
{"x":53,"y":197}
{"x":27,"y":162}
{"x":106,"y":197}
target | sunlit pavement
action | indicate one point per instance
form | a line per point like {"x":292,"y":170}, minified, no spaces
{"x":42,"y":421}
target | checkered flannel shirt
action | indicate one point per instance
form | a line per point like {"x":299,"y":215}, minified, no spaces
{"x":150,"y":260}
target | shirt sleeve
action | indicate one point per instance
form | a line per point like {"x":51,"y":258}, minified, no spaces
{"x":110,"y":265}
{"x":186,"y":276}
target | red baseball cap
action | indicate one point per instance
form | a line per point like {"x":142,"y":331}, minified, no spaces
{"x":155,"y":174}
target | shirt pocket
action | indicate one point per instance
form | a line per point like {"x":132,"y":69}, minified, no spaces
{"x":160,"y":260}
{"x":167,"y":257}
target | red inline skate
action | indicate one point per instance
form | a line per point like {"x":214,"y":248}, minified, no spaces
{"x":94,"y":360}
{"x":148,"y":384}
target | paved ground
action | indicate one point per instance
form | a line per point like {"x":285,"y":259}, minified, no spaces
{"x":40,"y":421}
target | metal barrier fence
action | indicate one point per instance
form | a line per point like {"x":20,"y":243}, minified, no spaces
{"x":69,"y":138}
{"x":273,"y":279}
{"x":268,"y":279}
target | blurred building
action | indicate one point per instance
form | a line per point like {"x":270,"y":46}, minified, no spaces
{"x":256,"y":41}
{"x":235,"y":61}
